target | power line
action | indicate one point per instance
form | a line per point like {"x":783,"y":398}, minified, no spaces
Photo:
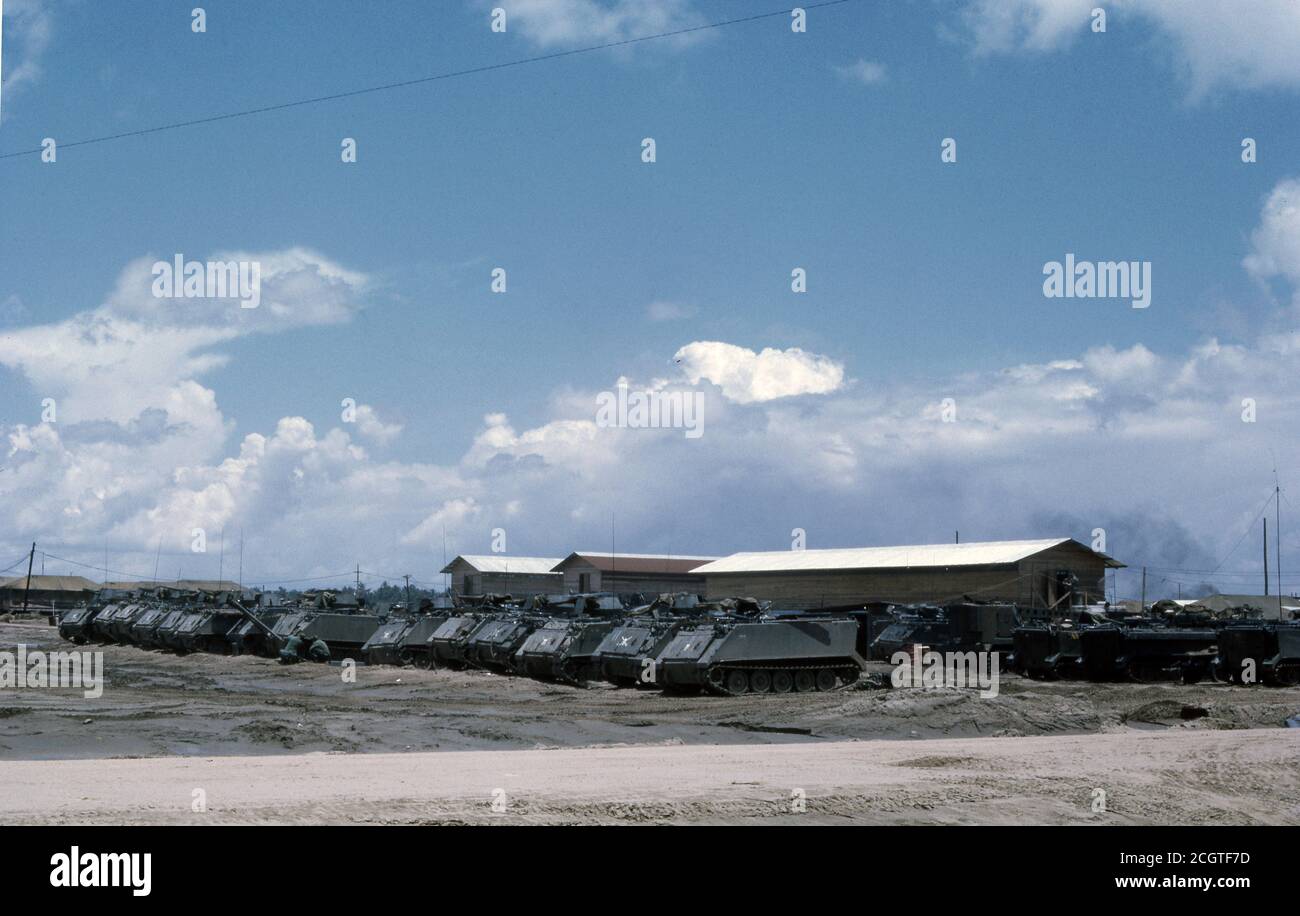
{"x":137,"y":576}
{"x":454,"y":74}
{"x":17,"y":562}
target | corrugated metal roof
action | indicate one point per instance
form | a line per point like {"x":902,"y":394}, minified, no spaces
{"x":51,"y":583}
{"x":928,"y":556}
{"x":193,"y":585}
{"x":501,"y":563}
{"x":634,"y":562}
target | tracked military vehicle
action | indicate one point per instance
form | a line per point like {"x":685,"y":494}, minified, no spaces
{"x":745,"y":655}
{"x":1047,"y":650}
{"x":960,"y":627}
{"x":1051,"y":648}
{"x":403,"y":639}
{"x":345,"y":634}
{"x":285,"y":626}
{"x":207,"y":631}
{"x":113,"y":623}
{"x":414,"y":646}
{"x":121,"y":626}
{"x":447,"y":643}
{"x":171,"y":631}
{"x":75,"y":623}
{"x":494,"y":644}
{"x":1147,"y":653}
{"x":146,"y":625}
{"x":1249,"y":653}
{"x":253,"y":635}
{"x":165,"y":627}
{"x":384,"y":645}
{"x":563,"y":649}
{"x":626,"y":654}
{"x":915,"y":625}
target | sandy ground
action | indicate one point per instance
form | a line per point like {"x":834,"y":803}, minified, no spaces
{"x":1179,"y":778}
{"x":264,"y":741}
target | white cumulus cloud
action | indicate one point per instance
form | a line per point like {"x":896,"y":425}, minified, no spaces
{"x":745,"y":376}
{"x":1214,"y":43}
{"x":567,"y":23}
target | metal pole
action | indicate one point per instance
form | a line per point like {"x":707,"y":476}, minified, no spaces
{"x":1265,"y":558}
{"x":1277,"y":533}
{"x":31,"y":558}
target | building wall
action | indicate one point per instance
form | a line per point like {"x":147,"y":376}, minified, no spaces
{"x":1030,"y":583}
{"x":806,"y":590}
{"x":630,"y":583}
{"x":514,"y":584}
{"x":12,"y":599}
{"x":1038,"y":576}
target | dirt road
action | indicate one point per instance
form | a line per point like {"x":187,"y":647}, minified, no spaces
{"x":158,"y":704}
{"x":1160,"y":777}
{"x":273,"y":744}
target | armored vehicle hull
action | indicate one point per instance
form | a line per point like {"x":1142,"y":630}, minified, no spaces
{"x":113,"y":624}
{"x":146,"y":625}
{"x":414,"y":647}
{"x":208,"y":632}
{"x":288,"y":624}
{"x":75,"y":624}
{"x":247,"y":638}
{"x":625,"y":657}
{"x":1147,"y":653}
{"x":562,"y":650}
{"x":1046,"y":651}
{"x":345,"y":634}
{"x":166,"y":627}
{"x":1259,"y":652}
{"x":384,"y":645}
{"x":447,"y":643}
{"x":493,"y":645}
{"x":170,"y":633}
{"x":762,"y":656}
{"x":961,"y":627}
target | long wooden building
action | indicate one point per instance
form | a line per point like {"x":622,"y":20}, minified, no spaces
{"x":631,"y":573}
{"x":1033,"y":573}
{"x":499,"y":574}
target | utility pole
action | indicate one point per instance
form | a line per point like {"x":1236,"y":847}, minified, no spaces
{"x":408,"y":593}
{"x":358,"y":578}
{"x":1266,"y":558}
{"x":956,"y":537}
{"x":241,"y":562}
{"x":31,"y":558}
{"x":1277,"y":533}
{"x":1144,"y":589}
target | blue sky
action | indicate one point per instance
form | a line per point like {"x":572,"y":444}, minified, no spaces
{"x":924,"y":277}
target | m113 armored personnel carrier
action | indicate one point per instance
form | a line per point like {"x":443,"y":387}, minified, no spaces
{"x":742,"y":655}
